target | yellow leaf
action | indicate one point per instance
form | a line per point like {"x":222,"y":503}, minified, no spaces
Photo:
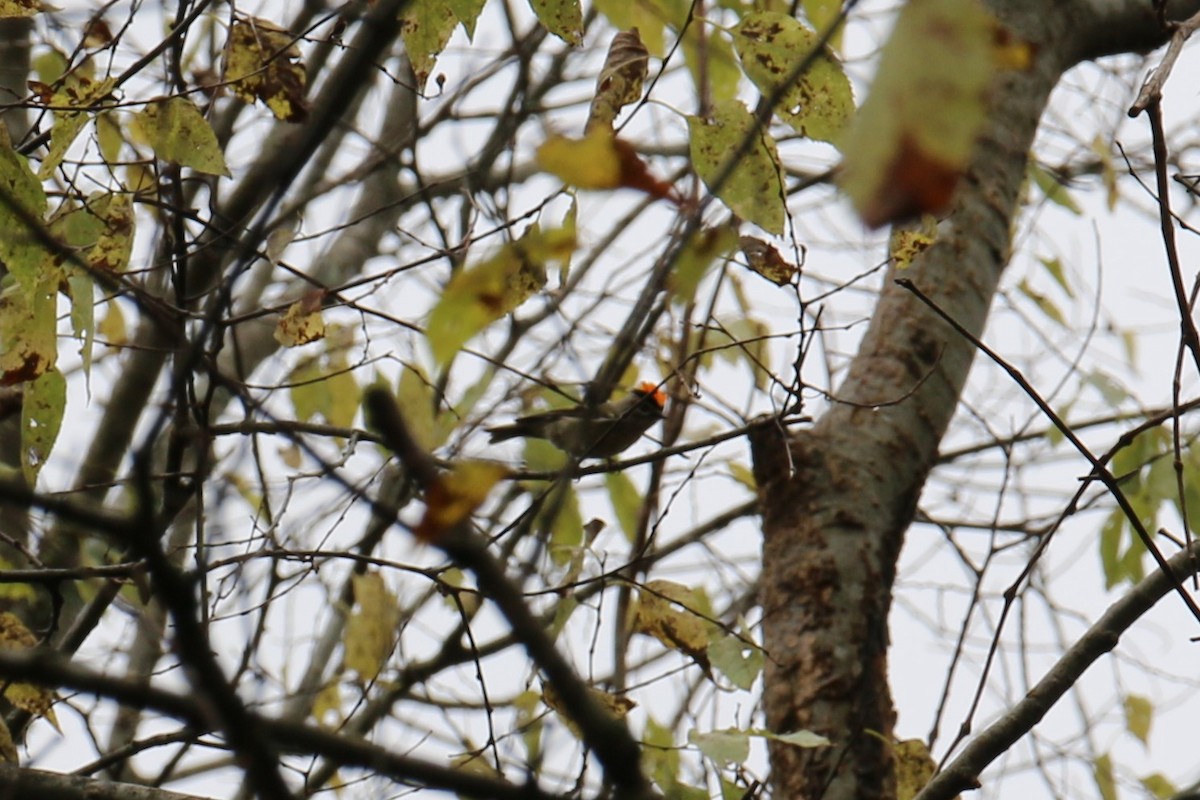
{"x":8,"y":750}
{"x":589,"y":163}
{"x":906,"y":242}
{"x":481,"y":294}
{"x":914,"y":767}
{"x":453,"y":497}
{"x":302,"y":322}
{"x":682,"y":630}
{"x":14,"y":636}
{"x":328,"y":702}
{"x":20,"y":8}
{"x":372,"y":627}
{"x":177,"y":132}
{"x":767,"y":262}
{"x":262,"y":62}
{"x":112,"y":328}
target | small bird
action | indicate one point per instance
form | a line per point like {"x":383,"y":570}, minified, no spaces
{"x":599,"y":432}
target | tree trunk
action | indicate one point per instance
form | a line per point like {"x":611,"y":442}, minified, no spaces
{"x":837,"y":499}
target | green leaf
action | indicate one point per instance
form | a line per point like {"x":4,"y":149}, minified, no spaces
{"x":83,"y":316}
{"x":797,"y":738}
{"x":736,"y":659}
{"x":1139,"y":713}
{"x":1158,"y":785}
{"x":1055,"y":192}
{"x":467,"y":12}
{"x":1043,"y":303}
{"x":1055,"y":267}
{"x":41,"y":418}
{"x":729,"y":746}
{"x":772,"y":46}
{"x":372,"y":628}
{"x":20,"y":250}
{"x":626,"y":502}
{"x":706,"y":247}
{"x":416,"y":400}
{"x":426,"y":26}
{"x":753,"y":189}
{"x":178,"y":133}
{"x":563,"y":18}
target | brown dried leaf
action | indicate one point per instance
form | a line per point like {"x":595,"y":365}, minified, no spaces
{"x":620,"y":80}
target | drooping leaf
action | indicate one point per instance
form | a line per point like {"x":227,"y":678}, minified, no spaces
{"x":1043,"y":303}
{"x":911,"y":140}
{"x":114,"y":245}
{"x":262,"y":62}
{"x":773,"y":47}
{"x":416,"y":400}
{"x":479,"y":295}
{"x":563,"y":18}
{"x":752,"y":187}
{"x":20,"y":249}
{"x":41,"y":418}
{"x":178,"y":133}
{"x":426,"y":27}
{"x":620,"y":80}
{"x":372,"y":628}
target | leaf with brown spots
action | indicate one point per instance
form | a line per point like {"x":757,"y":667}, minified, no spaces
{"x":262,"y":62}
